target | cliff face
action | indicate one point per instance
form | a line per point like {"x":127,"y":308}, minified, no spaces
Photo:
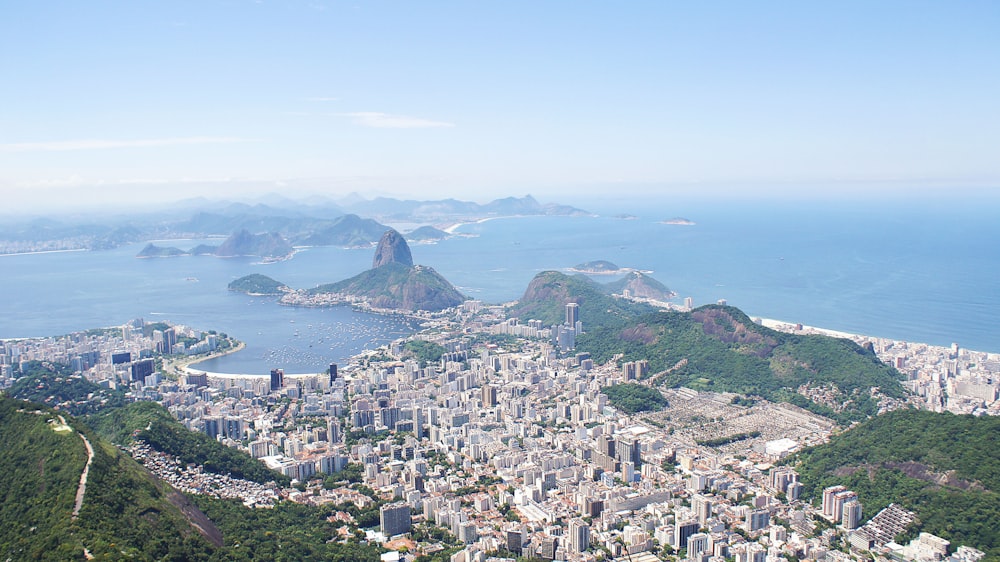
{"x":392,"y":248}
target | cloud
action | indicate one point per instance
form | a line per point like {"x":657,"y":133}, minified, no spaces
{"x":387,"y":121}
{"x":102,"y":144}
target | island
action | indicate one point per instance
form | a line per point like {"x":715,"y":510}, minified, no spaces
{"x":679,"y":221}
{"x":598,"y":267}
{"x":256,"y":284}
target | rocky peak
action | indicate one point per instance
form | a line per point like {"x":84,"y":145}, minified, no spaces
{"x":392,"y":248}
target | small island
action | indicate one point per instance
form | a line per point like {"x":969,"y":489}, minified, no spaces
{"x":153,"y":251}
{"x":256,"y":284}
{"x":598,"y":267}
{"x":626,"y":217}
{"x":681,"y":221}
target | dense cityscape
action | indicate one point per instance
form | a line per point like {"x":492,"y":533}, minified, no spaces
{"x":502,"y":435}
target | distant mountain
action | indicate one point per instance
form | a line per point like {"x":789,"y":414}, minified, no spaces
{"x":348,"y":230}
{"x":154,"y":251}
{"x":243,"y":243}
{"x":394,"y":282}
{"x":426,"y":234}
{"x":204,"y":250}
{"x":451,"y":208}
{"x":257,"y":284}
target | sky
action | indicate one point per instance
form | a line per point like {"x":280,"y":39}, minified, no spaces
{"x":108,"y":102}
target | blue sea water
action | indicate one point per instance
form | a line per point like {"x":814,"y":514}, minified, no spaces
{"x":918,"y":272}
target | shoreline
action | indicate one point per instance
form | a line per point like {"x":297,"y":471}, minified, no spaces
{"x":39,"y":252}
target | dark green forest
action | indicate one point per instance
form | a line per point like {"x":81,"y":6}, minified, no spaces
{"x":942,"y":466}
{"x":634,"y":398}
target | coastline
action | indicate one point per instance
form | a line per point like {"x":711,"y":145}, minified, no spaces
{"x":39,"y":252}
{"x":181,"y":367}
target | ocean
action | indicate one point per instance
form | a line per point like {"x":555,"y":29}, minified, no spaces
{"x":915,"y":272}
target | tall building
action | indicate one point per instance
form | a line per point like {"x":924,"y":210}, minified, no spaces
{"x":757,"y":519}
{"x":829,"y":500}
{"x":277,"y":379}
{"x":142,"y":369}
{"x":394,"y":519}
{"x":489,"y":396}
{"x":682,"y":531}
{"x":572,"y":314}
{"x":333,"y":372}
{"x":697,"y":544}
{"x":851,"y":516}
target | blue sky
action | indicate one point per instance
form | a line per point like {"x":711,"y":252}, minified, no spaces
{"x":128,"y":101}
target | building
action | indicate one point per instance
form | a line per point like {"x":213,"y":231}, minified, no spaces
{"x":697,"y":544}
{"x":277,"y":379}
{"x":579,"y":535}
{"x":572,"y":314}
{"x":757,"y":520}
{"x":394,"y":519}
{"x":142,"y":369}
{"x":851,"y":517}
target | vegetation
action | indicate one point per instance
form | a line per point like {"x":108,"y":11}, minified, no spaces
{"x":597,"y":266}
{"x":425,"y":351}
{"x":257,"y":284}
{"x":125,"y":514}
{"x":548,"y":293}
{"x":288,"y":532}
{"x":944,"y":467}
{"x":398,"y":286}
{"x":718,"y":348}
{"x":56,"y":386}
{"x":152,"y":423}
{"x":634,"y":398}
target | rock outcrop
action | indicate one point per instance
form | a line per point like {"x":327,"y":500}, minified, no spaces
{"x":392,"y":248}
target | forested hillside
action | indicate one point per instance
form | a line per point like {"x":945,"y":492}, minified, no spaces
{"x":944,"y":467}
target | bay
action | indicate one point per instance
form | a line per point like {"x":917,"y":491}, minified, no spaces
{"x":916,"y":272}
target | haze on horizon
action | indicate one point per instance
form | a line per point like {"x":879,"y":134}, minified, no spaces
{"x":115,"y":103}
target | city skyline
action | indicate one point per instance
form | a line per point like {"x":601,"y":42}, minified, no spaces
{"x":116,"y":103}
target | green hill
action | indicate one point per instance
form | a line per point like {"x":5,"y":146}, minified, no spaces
{"x":126,"y":513}
{"x":548,"y":293}
{"x":257,"y":284}
{"x":717,"y":348}
{"x":944,"y":467}
{"x":399,"y":286}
